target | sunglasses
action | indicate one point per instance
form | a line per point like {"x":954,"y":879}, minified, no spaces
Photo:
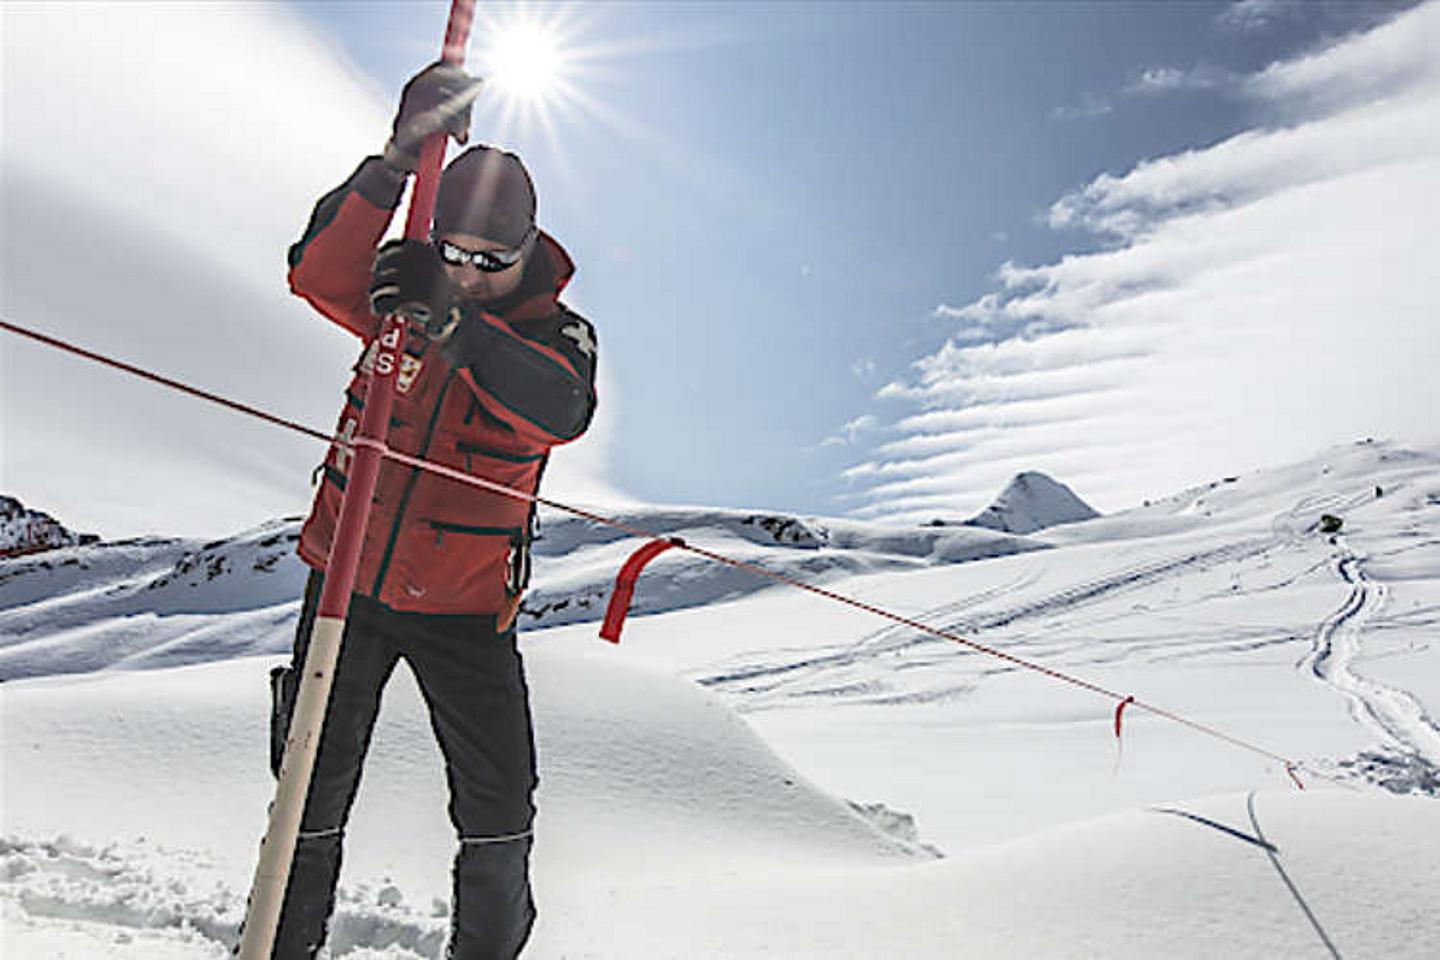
{"x":488,"y":261}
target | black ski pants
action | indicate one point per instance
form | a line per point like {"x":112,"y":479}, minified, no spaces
{"x":473,"y":682}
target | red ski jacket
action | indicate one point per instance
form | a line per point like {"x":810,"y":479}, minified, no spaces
{"x":432,"y":544}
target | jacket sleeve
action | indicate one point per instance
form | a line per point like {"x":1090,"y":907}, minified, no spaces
{"x":537,"y":376}
{"x":330,"y":265}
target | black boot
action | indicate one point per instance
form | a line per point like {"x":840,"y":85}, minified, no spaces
{"x":493,"y":909}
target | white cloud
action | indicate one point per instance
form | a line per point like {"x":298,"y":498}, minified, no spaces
{"x":1160,"y":79}
{"x":1396,"y":59}
{"x":1163,"y":80}
{"x":158,"y":159}
{"x":1248,"y":15}
{"x":1369,"y":126}
{"x":1091,"y":105}
{"x":851,"y":431}
{"x":864,"y":368}
{"x":1263,"y":297}
{"x":983,"y":311}
{"x":1153,"y":82}
{"x":1336,"y":17}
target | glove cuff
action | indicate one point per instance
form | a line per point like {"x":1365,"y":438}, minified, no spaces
{"x":399,"y":162}
{"x":378,"y":184}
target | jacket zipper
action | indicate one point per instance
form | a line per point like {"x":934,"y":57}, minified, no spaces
{"x":410,"y":486}
{"x":442,"y":527}
{"x":469,"y":448}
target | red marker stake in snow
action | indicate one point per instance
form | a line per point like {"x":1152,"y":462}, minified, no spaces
{"x":624,"y":590}
{"x":1119,"y":740}
{"x":272,"y":873}
{"x":1120,"y":713}
{"x":1290,"y":769}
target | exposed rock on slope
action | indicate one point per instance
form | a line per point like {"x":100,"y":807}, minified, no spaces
{"x":25,"y":531}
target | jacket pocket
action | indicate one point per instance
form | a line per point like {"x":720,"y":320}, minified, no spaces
{"x":484,"y":459}
{"x":447,"y":567}
{"x":517,"y":549}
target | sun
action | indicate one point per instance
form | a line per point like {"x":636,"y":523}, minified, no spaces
{"x":547,"y":69}
{"x":524,"y":61}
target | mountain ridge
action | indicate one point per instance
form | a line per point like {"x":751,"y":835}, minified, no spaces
{"x":25,"y":531}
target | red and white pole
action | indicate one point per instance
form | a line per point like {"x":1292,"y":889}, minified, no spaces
{"x":272,"y":873}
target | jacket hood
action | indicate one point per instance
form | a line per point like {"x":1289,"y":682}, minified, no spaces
{"x":547,"y":273}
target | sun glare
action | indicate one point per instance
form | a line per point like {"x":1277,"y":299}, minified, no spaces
{"x":547,"y":68}
{"x":525,"y":61}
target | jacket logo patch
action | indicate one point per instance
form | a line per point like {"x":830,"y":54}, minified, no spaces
{"x":409,"y":367}
{"x":579,"y":333}
{"x":409,"y":370}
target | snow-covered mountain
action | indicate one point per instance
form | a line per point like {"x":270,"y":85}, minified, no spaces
{"x":770,"y":773}
{"x":165,"y":602}
{"x":1032,"y":502}
{"x":576,"y":560}
{"x":24,"y":531}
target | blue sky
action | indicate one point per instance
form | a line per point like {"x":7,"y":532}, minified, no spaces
{"x":909,"y":218}
{"x":830,"y":174}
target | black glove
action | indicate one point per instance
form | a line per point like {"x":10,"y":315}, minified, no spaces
{"x":410,"y":279}
{"x":466,"y":342}
{"x":437,"y":98}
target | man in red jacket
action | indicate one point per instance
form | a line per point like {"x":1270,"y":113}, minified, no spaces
{"x":495,"y":372}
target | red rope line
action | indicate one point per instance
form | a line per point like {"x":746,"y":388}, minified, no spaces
{"x":1290,"y":766}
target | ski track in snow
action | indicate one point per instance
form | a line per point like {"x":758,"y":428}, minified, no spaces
{"x":748,"y":677}
{"x":1395,"y":715}
{"x":812,"y":675}
{"x":848,"y":674}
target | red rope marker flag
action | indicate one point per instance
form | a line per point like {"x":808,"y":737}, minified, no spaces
{"x":1119,"y":742}
{"x":624,"y":590}
{"x":272,"y":872}
{"x":1120,"y":713}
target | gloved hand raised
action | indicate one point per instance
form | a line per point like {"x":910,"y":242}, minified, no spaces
{"x":435,"y":99}
{"x":410,"y":279}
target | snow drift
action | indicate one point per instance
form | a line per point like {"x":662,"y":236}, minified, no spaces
{"x":134,"y":802}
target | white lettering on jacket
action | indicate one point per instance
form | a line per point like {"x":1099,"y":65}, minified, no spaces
{"x":375,"y":361}
{"x":343,"y":445}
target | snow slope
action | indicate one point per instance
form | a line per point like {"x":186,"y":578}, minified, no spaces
{"x":672,"y":827}
{"x":668,"y":830}
{"x":87,"y":759}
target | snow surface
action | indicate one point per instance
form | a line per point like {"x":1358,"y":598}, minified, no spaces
{"x":773,"y":774}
